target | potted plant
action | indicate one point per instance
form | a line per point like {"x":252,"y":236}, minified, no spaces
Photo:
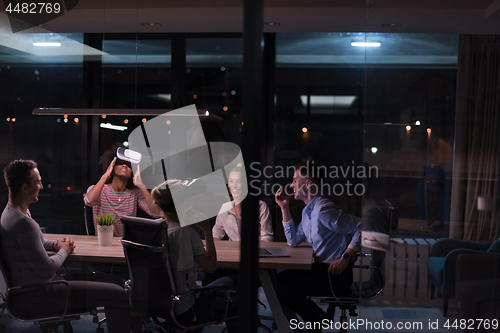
{"x":105,"y":228}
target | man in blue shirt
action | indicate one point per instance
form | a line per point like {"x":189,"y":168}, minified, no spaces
{"x":335,"y":237}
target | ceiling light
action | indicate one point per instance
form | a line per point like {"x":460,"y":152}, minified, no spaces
{"x":163,"y":97}
{"x":272,"y":24}
{"x":46,"y":44}
{"x":319,"y":101}
{"x":113,"y":127}
{"x":366,"y":44}
{"x":151,"y":24}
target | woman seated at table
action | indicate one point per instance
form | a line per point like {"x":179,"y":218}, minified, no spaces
{"x":115,"y":191}
{"x":186,"y":250}
{"x":229,"y":219}
{"x":24,"y":249}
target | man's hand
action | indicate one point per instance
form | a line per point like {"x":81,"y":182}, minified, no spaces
{"x":281,"y":198}
{"x":66,"y":243}
{"x":338,"y":266}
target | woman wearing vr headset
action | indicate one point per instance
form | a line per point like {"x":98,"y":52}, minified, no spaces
{"x":119,"y":191}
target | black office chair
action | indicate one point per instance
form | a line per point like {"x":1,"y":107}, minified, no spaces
{"x":88,"y":217}
{"x":362,"y":290}
{"x":152,"y":286}
{"x":48,"y":317}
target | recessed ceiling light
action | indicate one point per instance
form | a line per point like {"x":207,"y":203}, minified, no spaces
{"x":366,"y":44}
{"x":272,"y":24}
{"x":391,"y":25}
{"x":151,"y":24}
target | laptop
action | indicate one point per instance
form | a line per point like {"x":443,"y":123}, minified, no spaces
{"x":273,"y":252}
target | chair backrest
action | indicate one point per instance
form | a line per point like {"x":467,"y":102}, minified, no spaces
{"x":145,"y":244}
{"x":88,"y":217}
{"x":89,"y":220}
{"x":391,"y":214}
{"x":376,"y":283}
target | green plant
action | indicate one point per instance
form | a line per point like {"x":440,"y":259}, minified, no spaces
{"x":106,"y":219}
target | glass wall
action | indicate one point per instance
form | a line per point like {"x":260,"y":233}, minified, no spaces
{"x":50,"y":77}
{"x":387,"y":109}
{"x":381,"y":117}
{"x":213,"y":83}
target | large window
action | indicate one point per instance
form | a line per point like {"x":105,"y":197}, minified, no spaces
{"x":51,"y":77}
{"x":389,"y":105}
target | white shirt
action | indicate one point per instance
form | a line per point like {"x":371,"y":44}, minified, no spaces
{"x":229,"y":223}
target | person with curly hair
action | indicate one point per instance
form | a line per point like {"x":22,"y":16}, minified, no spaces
{"x":119,"y":191}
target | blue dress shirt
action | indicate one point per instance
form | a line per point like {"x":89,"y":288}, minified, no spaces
{"x":329,"y":230}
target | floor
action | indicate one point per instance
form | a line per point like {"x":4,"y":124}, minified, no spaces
{"x":374,"y":316}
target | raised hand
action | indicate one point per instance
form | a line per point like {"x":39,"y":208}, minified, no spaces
{"x":138,"y":179}
{"x":281,"y":198}
{"x":110,"y":168}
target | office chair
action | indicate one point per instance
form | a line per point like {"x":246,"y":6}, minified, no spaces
{"x":152,"y":286}
{"x":48,"y":317}
{"x":362,"y":290}
{"x":88,"y":217}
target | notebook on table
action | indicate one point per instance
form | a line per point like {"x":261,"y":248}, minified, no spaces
{"x":272,"y":252}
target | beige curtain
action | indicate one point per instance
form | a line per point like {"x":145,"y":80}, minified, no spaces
{"x":475,"y":167}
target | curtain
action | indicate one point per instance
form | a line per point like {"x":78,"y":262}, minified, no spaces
{"x":475,"y":167}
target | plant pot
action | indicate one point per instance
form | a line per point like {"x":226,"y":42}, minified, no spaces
{"x":105,"y":235}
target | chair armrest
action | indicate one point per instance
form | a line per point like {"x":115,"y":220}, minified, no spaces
{"x":449,"y":269}
{"x":38,"y":285}
{"x":443,"y":246}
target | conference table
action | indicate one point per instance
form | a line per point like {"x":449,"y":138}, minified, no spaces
{"x":228,"y":256}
